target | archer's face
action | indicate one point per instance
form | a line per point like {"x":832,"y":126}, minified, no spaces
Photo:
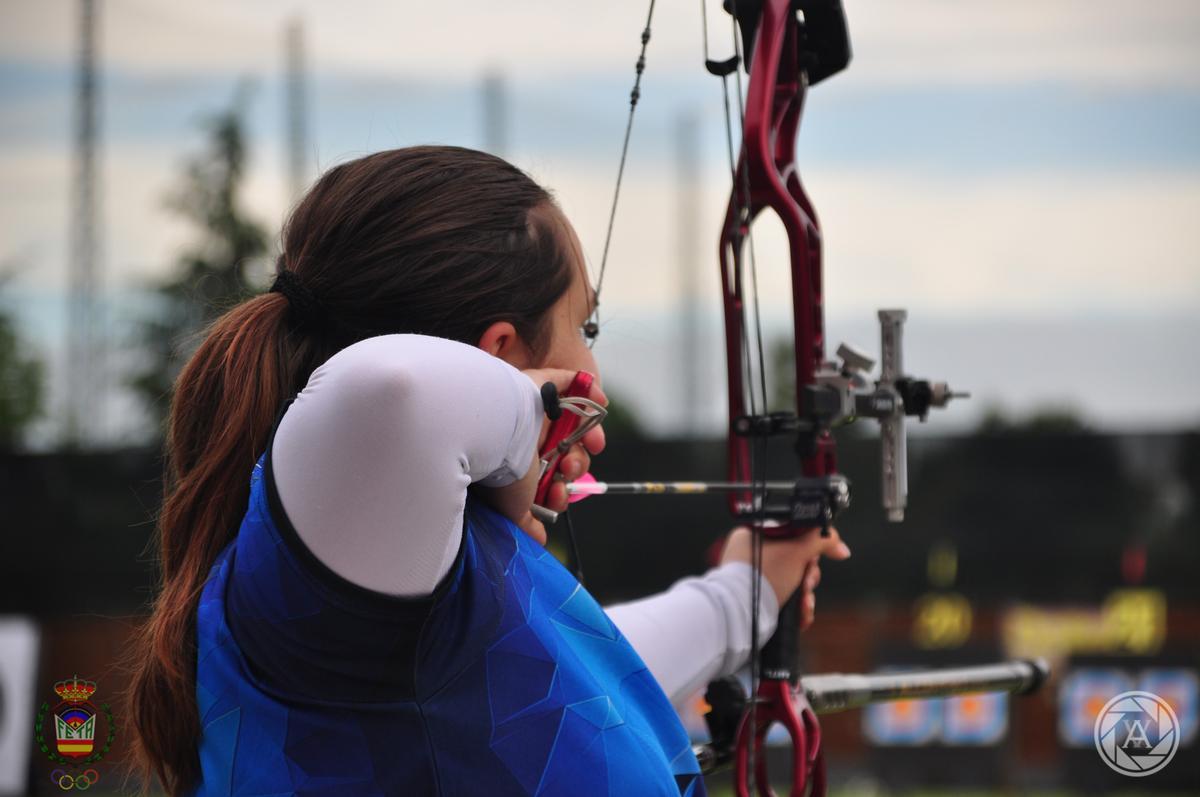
{"x":568,"y":348}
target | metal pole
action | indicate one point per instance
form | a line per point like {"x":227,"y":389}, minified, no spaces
{"x":296,"y":110}
{"x":495,"y":114}
{"x":84,"y":395}
{"x":687,"y":178}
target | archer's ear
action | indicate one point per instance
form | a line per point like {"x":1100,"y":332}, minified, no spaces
{"x":501,"y":340}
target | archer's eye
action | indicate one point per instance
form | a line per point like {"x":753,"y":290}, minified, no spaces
{"x":591,"y":330}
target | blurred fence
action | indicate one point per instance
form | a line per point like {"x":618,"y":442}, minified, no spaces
{"x":1082,"y":547}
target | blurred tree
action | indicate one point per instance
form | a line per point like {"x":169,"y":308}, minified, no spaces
{"x":1189,"y":475}
{"x":1048,"y":420}
{"x":781,"y":388}
{"x":1175,"y":555}
{"x":621,"y":420}
{"x":21,"y":383}
{"x":781,"y":375}
{"x":1031,"y":508}
{"x":211,"y":275}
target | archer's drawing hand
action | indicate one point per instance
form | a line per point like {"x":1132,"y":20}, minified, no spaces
{"x":789,"y":565}
{"x":578,"y":459}
{"x":570,"y":466}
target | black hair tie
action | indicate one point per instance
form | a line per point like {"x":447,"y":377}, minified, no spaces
{"x":303,"y":305}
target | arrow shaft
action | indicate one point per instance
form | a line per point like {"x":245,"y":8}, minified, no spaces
{"x":672,"y":488}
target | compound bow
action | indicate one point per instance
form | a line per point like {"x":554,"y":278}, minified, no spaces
{"x":789,"y":46}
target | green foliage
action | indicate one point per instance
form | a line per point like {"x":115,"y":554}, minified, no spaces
{"x":781,"y":375}
{"x":22,"y":389}
{"x":621,"y":421}
{"x":211,"y":274}
{"x":1048,"y":420}
{"x":781,"y":387}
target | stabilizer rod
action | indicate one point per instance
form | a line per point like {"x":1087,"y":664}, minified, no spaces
{"x":834,"y":692}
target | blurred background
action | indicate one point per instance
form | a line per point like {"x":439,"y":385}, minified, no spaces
{"x":1022,"y":176}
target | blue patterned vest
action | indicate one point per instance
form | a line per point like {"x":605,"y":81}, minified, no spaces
{"x":508,"y":680}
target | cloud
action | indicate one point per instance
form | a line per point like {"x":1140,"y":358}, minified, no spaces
{"x":1033,"y":244}
{"x":140,"y":237}
{"x":1027,"y":243}
{"x":924,"y":42}
{"x":1102,"y":42}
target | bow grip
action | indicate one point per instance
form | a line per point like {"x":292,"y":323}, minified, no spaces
{"x":560,"y":429}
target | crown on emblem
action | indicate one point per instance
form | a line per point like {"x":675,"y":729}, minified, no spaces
{"x":75,"y":690}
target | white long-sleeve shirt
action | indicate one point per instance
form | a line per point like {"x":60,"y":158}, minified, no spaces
{"x":372,"y":462}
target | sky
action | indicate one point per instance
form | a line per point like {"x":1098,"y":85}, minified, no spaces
{"x":1022,"y":176}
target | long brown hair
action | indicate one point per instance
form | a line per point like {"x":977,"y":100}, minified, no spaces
{"x":434,"y":240}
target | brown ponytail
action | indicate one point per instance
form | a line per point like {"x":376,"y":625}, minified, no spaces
{"x":436,"y":240}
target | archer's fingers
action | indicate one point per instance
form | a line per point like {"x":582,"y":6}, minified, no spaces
{"x":832,"y":546}
{"x":808,"y":610}
{"x":594,"y":440}
{"x":562,"y":380}
{"x":557,"y":497}
{"x":812,"y":577}
{"x":596,"y":393}
{"x":574,"y":463}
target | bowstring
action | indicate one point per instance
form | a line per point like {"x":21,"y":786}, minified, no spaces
{"x":592,"y":327}
{"x":740,"y":217}
{"x":635,"y":94}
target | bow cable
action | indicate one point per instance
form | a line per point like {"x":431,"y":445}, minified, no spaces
{"x":591,"y":329}
{"x":757,"y":478}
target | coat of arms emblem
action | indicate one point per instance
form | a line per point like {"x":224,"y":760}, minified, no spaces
{"x":75,"y":724}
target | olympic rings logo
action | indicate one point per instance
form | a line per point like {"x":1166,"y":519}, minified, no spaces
{"x":66,"y":781}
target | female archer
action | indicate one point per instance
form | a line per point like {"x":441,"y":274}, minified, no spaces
{"x":355,"y":595}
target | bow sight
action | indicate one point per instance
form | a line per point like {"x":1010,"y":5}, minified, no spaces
{"x":841,"y":393}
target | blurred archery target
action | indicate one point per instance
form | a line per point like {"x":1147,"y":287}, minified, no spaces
{"x":975,"y":719}
{"x":908,"y":723}
{"x":1082,"y":696}
{"x":964,"y":721}
{"x":1180,"y":688}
